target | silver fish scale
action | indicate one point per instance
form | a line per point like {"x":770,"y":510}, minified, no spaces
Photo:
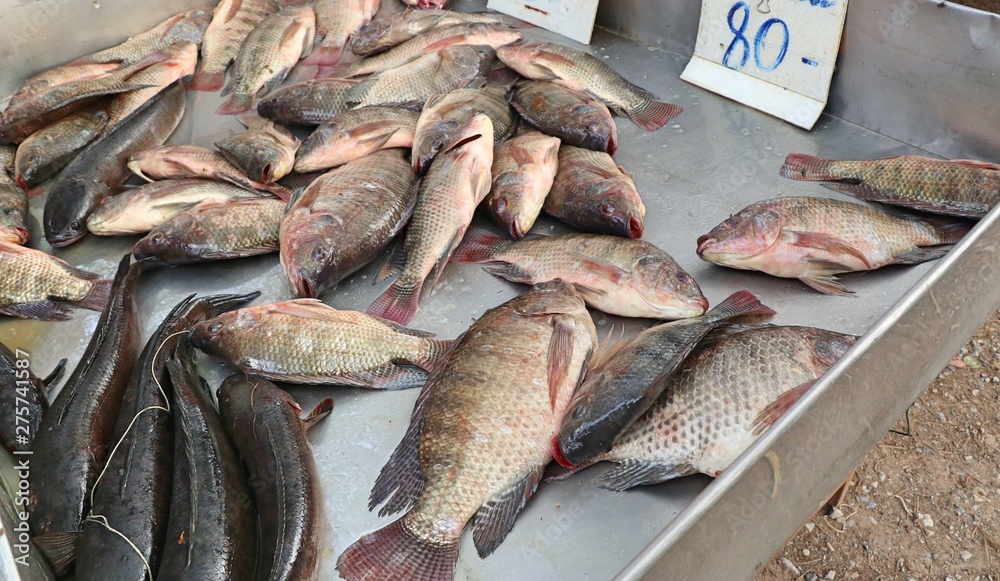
{"x":29,"y":276}
{"x":705,"y":415}
{"x":260,"y":57}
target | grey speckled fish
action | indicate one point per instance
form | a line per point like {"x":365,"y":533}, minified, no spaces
{"x":306,"y":103}
{"x":48,"y":150}
{"x":265,"y":151}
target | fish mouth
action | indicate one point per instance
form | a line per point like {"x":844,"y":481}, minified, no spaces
{"x":304,"y":288}
{"x":558,"y":456}
{"x":21,"y":182}
{"x":18,"y":235}
{"x":703,"y":243}
{"x":61,"y":240}
{"x":634,"y":227}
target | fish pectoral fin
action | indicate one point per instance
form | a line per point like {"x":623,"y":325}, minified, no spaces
{"x":389,"y":377}
{"x":41,"y":310}
{"x":774,"y":410}
{"x":602,"y":267}
{"x":632,"y":473}
{"x":823,"y":280}
{"x":59,"y":549}
{"x":377,"y":142}
{"x":828,"y":243}
{"x":445,"y":255}
{"x":175,"y":207}
{"x":560,"y":354}
{"x":56,"y":373}
{"x":511,"y":272}
{"x":319,"y":412}
{"x":494,"y":519}
{"x":919,"y":255}
{"x":393,"y":264}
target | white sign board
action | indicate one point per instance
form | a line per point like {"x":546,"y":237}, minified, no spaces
{"x":773,"y":55}
{"x":573,"y":19}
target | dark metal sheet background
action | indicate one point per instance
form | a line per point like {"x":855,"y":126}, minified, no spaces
{"x":713,"y":160}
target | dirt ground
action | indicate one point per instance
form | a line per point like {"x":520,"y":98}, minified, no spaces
{"x":923,"y":506}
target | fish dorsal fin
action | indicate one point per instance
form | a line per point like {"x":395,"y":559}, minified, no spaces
{"x":606,"y":350}
{"x":319,"y":412}
{"x":494,"y":519}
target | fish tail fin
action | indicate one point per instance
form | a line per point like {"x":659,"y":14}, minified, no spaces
{"x":478,"y":245}
{"x":652,"y":115}
{"x":208,"y":80}
{"x":398,"y":303}
{"x":740,"y":304}
{"x":435,"y":354}
{"x":948,"y":230}
{"x":393,"y":552}
{"x":799,"y":166}
{"x":235,"y":104}
{"x":324,"y":56}
{"x":98,"y":296}
{"x":59,"y":549}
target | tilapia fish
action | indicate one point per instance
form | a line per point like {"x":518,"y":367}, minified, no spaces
{"x":580,"y":71}
{"x":728,"y":391}
{"x":99,"y":169}
{"x":425,"y":76}
{"x":58,"y":75}
{"x":215,"y":231}
{"x":594,"y":194}
{"x":962,"y":187}
{"x":630,"y":278}
{"x":456,"y":183}
{"x":574,"y":117}
{"x":490,"y":34}
{"x":22,"y":395}
{"x":232,"y":22}
{"x":31,"y":280}
{"x":75,"y":435}
{"x":192,"y":161}
{"x":523,"y":169}
{"x":184,"y":27}
{"x":338,"y":20}
{"x":179,"y":62}
{"x":141,"y":209}
{"x":263,"y":421}
{"x":48,"y":150}
{"x":344,"y":219}
{"x":7,"y":155}
{"x":13,"y":214}
{"x":306,"y":341}
{"x":625,"y":380}
{"x":444,"y":117}
{"x":306,"y":103}
{"x":477,"y":441}
{"x":815,"y":239}
{"x":354,"y":134}
{"x":265,"y":151}
{"x":386,"y":32}
{"x":266,"y":56}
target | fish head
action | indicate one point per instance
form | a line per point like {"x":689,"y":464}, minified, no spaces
{"x":309,"y":265}
{"x":668,"y":289}
{"x":430,"y":141}
{"x":505,"y":203}
{"x":67,"y":222}
{"x":621,"y":214}
{"x":218,"y":335}
{"x":28,"y":166}
{"x":597,"y":126}
{"x":741,"y":237}
{"x":106,"y":215}
{"x":828,"y":347}
{"x":257,"y":157}
{"x":169,"y":241}
{"x":526,"y":57}
{"x":593,"y":421}
{"x":13,"y":213}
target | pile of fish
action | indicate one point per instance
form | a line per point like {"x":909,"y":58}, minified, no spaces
{"x":397,"y":129}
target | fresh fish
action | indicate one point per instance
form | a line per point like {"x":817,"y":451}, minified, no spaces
{"x":184,"y":27}
{"x":48,"y":150}
{"x":625,"y":380}
{"x":306,"y":341}
{"x":179,"y":63}
{"x":13,"y":214}
{"x":169,"y":162}
{"x":427,"y":4}
{"x":444,"y":116}
{"x":456,"y":183}
{"x":354,"y":134}
{"x":76,"y":431}
{"x":212,"y":528}
{"x":630,"y":278}
{"x":215,"y":231}
{"x":485,"y":33}
{"x":593,"y":193}
{"x":232,"y":22}
{"x":430,"y":74}
{"x":263,"y":421}
{"x":307,"y":103}
{"x":384,"y":33}
{"x":141,"y":209}
{"x":7,"y":156}
{"x":30,"y":280}
{"x":22,"y":399}
{"x":100,"y":168}
{"x":344,"y":219}
{"x":24,"y":560}
{"x":523,"y":169}
{"x":962,"y":187}
{"x":267,"y":54}
{"x":126,"y":527}
{"x":574,"y":117}
{"x":59,"y":75}
{"x":580,"y":71}
{"x":476,"y":445}
{"x":815,"y":239}
{"x":338,"y":20}
{"x":728,"y":391}
{"x":265,"y":151}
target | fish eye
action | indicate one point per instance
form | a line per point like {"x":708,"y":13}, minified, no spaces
{"x":8,"y":211}
{"x":214,"y":328}
{"x":75,"y":225}
{"x":501,"y":204}
{"x":730,"y":222}
{"x":542,"y":286}
{"x":607,"y":208}
{"x":158,"y":238}
{"x":803,"y":172}
{"x":684,"y":277}
{"x":578,"y":411}
{"x":319,"y":253}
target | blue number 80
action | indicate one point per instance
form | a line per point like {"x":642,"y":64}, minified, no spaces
{"x":759,"y":41}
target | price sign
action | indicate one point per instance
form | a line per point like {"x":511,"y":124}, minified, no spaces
{"x":773,"y":55}
{"x":573,"y":19}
